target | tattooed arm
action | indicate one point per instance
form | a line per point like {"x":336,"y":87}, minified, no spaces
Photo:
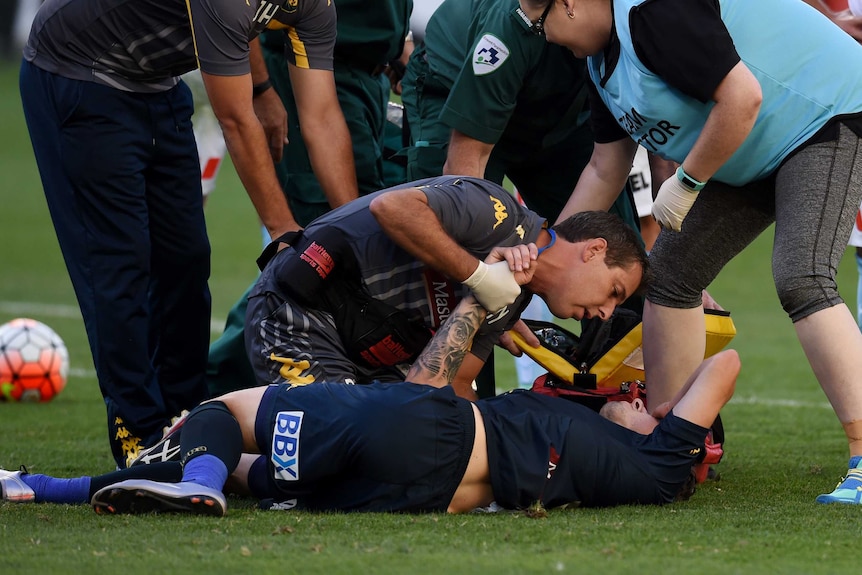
{"x":439,"y":362}
{"x":446,"y":359}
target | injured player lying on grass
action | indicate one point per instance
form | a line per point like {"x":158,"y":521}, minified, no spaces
{"x":413,"y":446}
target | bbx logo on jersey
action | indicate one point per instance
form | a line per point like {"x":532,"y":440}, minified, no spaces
{"x":285,"y":445}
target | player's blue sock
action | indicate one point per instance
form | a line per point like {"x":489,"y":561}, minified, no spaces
{"x":55,"y":490}
{"x":207,"y":470}
{"x":211,"y":430}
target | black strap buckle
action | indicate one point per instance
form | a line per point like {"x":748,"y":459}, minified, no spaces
{"x":270,"y":250}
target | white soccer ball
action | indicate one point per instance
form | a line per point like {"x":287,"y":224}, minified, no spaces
{"x":34,"y":361}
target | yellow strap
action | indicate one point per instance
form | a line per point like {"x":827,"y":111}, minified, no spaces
{"x":624,"y":361}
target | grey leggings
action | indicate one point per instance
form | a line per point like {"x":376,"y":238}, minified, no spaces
{"x":812,"y":198}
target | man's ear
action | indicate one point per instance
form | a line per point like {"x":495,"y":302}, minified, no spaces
{"x":594,"y":247}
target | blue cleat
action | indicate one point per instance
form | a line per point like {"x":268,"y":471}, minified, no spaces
{"x":849,"y":490}
{"x":136,"y":496}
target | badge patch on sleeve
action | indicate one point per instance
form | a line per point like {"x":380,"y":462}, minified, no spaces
{"x":490,"y":53}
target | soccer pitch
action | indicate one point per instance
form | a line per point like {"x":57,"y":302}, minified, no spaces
{"x":784,"y":446}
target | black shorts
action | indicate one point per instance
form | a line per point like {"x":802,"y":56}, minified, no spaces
{"x":376,"y":447}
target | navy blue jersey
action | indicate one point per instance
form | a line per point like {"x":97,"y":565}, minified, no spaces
{"x":405,"y":447}
{"x":376,"y":447}
{"x":557,"y":452}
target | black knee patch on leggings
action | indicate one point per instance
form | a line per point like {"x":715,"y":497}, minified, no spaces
{"x":213,"y":430}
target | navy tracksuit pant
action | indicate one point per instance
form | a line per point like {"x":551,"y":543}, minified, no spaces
{"x":122,"y":181}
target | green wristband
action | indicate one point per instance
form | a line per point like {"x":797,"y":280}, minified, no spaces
{"x":688,"y":181}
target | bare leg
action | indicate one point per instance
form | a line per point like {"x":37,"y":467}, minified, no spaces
{"x":674,"y":342}
{"x":243,"y":404}
{"x":237,"y":483}
{"x":833,"y":344}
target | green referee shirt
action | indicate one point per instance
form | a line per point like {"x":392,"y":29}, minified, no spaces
{"x":511,"y":87}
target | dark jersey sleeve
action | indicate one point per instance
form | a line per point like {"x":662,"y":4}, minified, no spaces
{"x":605,"y":127}
{"x":478,"y":214}
{"x":309,"y":34}
{"x":684,"y":42}
{"x":672,"y":448}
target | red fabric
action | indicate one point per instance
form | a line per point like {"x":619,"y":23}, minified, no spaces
{"x":836,"y":5}
{"x":210,"y":168}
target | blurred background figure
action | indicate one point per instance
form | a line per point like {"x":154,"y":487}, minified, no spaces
{"x":15,"y":19}
{"x":208,"y":134}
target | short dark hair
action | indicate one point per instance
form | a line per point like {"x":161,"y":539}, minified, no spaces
{"x":625,"y":246}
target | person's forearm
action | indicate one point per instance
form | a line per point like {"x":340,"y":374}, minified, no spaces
{"x":331,"y":154}
{"x":250,"y":155}
{"x":325,"y":133}
{"x":231,"y":99}
{"x":708,"y":390}
{"x":439,"y":362}
{"x":466,"y":156}
{"x":591,"y":193}
{"x":602,"y":179}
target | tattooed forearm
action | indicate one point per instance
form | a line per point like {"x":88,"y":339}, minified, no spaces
{"x":440,"y":360}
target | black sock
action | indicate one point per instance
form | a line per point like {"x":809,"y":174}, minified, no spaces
{"x":212,"y":429}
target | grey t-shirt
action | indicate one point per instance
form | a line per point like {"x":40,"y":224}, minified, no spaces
{"x":479,"y":215}
{"x":143,"y":45}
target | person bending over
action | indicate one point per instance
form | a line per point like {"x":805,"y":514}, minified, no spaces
{"x":415,"y":446}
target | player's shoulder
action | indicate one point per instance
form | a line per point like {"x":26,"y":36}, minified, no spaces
{"x":319,"y":13}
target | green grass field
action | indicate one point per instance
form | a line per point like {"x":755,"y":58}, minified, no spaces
{"x":784,"y":446}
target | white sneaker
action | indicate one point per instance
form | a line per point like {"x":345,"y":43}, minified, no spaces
{"x":12,"y":488}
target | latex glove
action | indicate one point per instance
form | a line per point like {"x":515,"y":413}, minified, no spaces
{"x":672,"y":203}
{"x":494,"y":286}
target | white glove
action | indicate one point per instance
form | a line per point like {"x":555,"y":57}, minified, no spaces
{"x":672,"y":203}
{"x":494,"y":286}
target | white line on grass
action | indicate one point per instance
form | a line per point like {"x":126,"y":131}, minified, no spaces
{"x":37,"y":310}
{"x":754,"y":400}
